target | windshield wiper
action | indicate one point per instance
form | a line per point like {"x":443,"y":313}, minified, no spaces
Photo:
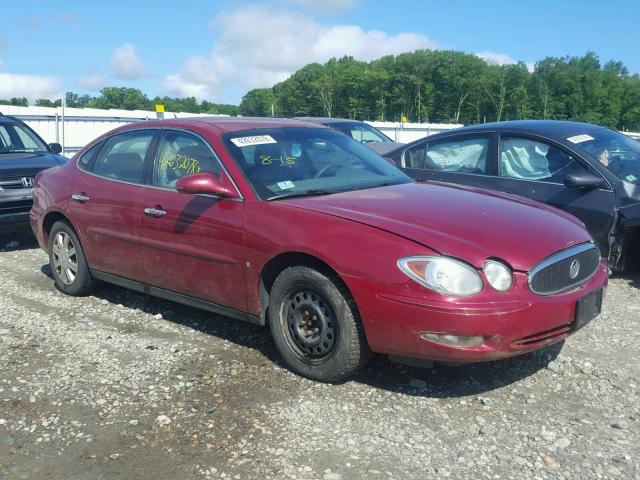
{"x":306,"y":193}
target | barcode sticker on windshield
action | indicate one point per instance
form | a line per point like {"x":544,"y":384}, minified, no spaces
{"x":286,"y":185}
{"x":255,"y":140}
{"x":580,"y":138}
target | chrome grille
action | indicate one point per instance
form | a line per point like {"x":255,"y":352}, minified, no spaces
{"x":565,"y":270}
{"x":16,"y":183}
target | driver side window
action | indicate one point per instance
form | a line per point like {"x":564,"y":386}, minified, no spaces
{"x":527,"y":159}
{"x":180,"y":154}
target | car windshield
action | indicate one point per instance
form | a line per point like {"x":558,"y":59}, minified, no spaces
{"x":16,"y":138}
{"x":360,"y":131}
{"x":287,"y":162}
{"x":618,"y":152}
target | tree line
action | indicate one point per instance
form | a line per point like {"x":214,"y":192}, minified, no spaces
{"x":125,"y":98}
{"x":423,"y":86}
{"x":448,"y":86}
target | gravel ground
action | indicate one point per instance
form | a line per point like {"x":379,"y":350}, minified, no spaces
{"x":121,"y":385}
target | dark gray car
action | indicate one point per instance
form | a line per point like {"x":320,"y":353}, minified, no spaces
{"x":359,"y":131}
{"x":589,"y":171}
{"x":22,"y":155}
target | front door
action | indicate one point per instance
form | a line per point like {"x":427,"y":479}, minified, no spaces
{"x":191,"y":244}
{"x":536,"y":169}
{"x":105,"y":202}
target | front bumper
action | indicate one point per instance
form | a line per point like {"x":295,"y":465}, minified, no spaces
{"x":512,"y":322}
{"x":18,"y":219}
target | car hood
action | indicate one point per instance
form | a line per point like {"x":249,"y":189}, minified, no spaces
{"x":27,"y":164}
{"x":469,"y":224}
{"x":382,"y":148}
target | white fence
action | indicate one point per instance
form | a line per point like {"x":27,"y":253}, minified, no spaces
{"x":75,"y":127}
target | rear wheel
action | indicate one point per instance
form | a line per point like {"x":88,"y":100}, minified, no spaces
{"x":315,"y":325}
{"x":68,"y":264}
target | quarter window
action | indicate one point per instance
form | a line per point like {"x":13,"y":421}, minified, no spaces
{"x":122,"y":157}
{"x":467,"y":155}
{"x":85,"y":161}
{"x":182,"y":154}
{"x":532,"y":160}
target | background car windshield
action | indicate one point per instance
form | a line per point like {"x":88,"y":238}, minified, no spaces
{"x":360,"y":132}
{"x":618,"y":152}
{"x":293,"y":161}
{"x":16,"y":138}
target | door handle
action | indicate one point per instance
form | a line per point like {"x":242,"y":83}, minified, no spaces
{"x":80,"y":197}
{"x":154,"y":212}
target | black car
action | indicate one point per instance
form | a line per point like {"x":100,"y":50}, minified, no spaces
{"x":22,"y":155}
{"x":589,"y":171}
{"x":359,"y":131}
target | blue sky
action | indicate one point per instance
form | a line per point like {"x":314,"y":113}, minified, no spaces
{"x":217,"y":50}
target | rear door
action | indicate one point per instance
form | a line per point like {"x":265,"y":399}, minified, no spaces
{"x":106,"y":196}
{"x":462,"y":159}
{"x":191,"y":244}
{"x":536,"y":168}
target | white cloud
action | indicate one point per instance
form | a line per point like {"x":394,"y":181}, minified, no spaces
{"x":1,"y":63}
{"x":496,"y":58}
{"x":326,"y":6}
{"x":261,"y":45}
{"x":30,"y":86}
{"x":493,"y":58}
{"x":93,"y":81}
{"x":125,"y":64}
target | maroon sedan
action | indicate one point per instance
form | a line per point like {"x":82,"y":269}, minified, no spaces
{"x":297,"y":226}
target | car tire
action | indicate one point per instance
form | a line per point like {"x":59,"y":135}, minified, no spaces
{"x":67,"y":261}
{"x":315,"y":325}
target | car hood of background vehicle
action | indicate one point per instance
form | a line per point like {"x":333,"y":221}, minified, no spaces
{"x":382,"y":148}
{"x":468,"y":224}
{"x":27,"y":164}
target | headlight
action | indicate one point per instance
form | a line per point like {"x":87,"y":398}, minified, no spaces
{"x":498,"y":275}
{"x":442,"y":274}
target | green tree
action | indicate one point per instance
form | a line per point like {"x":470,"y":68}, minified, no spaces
{"x":258,"y":103}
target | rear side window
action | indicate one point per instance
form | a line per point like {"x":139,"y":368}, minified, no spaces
{"x":467,"y":155}
{"x":122,"y":157}
{"x":181,"y":154}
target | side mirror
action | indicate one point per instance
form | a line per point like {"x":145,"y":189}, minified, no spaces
{"x":55,"y":147}
{"x":204,"y":183}
{"x":583,"y":180}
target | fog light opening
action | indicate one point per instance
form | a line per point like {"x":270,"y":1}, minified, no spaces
{"x":457,"y":340}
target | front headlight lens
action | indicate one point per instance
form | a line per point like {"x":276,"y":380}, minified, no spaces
{"x":442,"y":274}
{"x":498,"y":275}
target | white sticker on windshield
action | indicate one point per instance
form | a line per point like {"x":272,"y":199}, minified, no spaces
{"x":580,"y":138}
{"x":287,"y":184}
{"x":255,"y":140}
{"x":631,"y":178}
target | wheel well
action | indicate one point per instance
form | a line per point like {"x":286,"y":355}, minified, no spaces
{"x":277,"y":264}
{"x":49,"y":220}
{"x":631,"y":250}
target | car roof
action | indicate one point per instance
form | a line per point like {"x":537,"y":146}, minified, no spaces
{"x":227,"y":124}
{"x":327,"y":120}
{"x":8,"y":119}
{"x":555,"y":129}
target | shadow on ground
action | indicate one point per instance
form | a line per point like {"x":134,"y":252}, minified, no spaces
{"x":438,"y":382}
{"x":15,"y":240}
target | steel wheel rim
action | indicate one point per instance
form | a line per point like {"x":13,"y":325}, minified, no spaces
{"x":309,"y":326}
{"x":65,"y":258}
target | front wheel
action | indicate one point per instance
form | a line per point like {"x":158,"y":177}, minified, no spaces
{"x":68,"y":264}
{"x":315,"y":325}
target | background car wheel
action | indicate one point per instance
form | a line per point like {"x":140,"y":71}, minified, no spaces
{"x":315,"y":325}
{"x":68,"y":264}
